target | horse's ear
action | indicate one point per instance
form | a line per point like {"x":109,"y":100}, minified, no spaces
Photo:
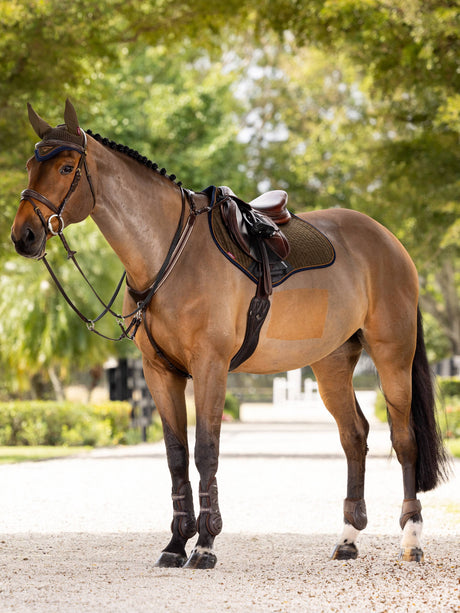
{"x":70,"y":118}
{"x":38,"y":124}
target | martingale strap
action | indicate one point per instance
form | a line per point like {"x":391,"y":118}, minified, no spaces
{"x":143,"y":299}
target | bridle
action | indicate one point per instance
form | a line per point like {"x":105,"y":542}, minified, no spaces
{"x":142,"y":298}
{"x":53,"y":148}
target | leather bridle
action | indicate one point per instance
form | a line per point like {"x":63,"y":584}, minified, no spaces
{"x":57,"y":146}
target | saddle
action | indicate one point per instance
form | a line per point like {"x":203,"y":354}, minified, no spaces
{"x":254,"y":227}
{"x":251,"y":223}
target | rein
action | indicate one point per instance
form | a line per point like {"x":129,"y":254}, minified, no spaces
{"x":143,"y":298}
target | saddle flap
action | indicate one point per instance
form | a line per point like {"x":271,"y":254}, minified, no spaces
{"x":264,"y":228}
{"x":233,"y":220}
{"x":247,"y":226}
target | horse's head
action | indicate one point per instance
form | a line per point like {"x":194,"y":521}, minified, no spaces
{"x":55,"y":196}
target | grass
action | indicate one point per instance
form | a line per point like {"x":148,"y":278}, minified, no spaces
{"x":11,"y":455}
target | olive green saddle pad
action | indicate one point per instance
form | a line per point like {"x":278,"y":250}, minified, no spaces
{"x":309,"y":248}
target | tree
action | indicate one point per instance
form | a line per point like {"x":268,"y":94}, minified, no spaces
{"x":355,"y":103}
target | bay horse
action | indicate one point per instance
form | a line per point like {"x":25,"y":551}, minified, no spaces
{"x":195,"y":321}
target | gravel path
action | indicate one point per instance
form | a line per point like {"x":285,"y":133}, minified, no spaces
{"x":82,"y":534}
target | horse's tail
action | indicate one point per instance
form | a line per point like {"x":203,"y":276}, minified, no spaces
{"x":433,"y":463}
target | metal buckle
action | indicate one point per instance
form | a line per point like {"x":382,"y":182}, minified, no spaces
{"x":61,"y":224}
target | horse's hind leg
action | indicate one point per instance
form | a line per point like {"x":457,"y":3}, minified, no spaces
{"x":393,"y":356}
{"x":168,"y":389}
{"x":335,"y":383}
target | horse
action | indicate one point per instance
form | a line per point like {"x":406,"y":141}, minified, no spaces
{"x":194,"y":321}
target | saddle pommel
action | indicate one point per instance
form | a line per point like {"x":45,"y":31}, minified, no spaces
{"x":273,"y":204}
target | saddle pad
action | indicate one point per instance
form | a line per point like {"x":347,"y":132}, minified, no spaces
{"x":310,"y":248}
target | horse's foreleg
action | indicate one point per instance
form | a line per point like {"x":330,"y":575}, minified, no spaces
{"x":209,"y":400}
{"x":334,"y":376}
{"x":168,"y":390}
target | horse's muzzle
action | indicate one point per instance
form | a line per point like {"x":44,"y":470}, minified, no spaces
{"x":29,"y":241}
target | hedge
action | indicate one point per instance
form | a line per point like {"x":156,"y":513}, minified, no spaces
{"x":64,"y":423}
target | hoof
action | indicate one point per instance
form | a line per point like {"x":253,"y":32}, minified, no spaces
{"x":201,"y":559}
{"x":411,"y":554}
{"x":347,"y":551}
{"x":170,"y":560}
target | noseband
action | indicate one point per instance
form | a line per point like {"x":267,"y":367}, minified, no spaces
{"x":53,"y":147}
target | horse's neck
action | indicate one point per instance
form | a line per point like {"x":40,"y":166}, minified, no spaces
{"x":137,"y":211}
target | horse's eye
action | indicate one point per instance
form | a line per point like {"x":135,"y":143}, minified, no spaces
{"x":66,"y":170}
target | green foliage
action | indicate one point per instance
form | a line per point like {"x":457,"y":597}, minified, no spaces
{"x":350,"y":103}
{"x":38,"y":330}
{"x":447,"y":407}
{"x":232,"y":406}
{"x":380,"y":409}
{"x":53,"y":423}
{"x":453,"y":445}
{"x":449,"y":386}
{"x":179,"y":110}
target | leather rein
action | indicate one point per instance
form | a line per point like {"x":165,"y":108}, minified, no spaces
{"x":143,"y":298}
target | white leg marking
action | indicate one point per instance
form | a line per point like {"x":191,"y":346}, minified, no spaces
{"x":411,"y":534}
{"x":349,"y":535}
{"x":198,"y":549}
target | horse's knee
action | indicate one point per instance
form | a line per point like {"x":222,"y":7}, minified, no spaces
{"x":354,"y":442}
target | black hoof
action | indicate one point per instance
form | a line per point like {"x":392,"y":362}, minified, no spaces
{"x":411,"y":554}
{"x":347,"y":551}
{"x":201,"y":559}
{"x":170,"y":560}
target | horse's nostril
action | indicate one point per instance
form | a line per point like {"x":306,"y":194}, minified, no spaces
{"x":29,"y":236}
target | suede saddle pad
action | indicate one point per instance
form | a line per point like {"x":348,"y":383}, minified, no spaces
{"x":309,"y":249}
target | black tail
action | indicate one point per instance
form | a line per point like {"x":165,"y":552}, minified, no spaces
{"x":433,"y":463}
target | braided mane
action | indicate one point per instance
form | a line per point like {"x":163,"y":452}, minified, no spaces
{"x":132,"y":153}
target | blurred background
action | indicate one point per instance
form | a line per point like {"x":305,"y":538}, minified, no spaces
{"x":344,"y":103}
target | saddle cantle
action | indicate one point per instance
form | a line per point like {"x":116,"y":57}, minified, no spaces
{"x":274,"y":205}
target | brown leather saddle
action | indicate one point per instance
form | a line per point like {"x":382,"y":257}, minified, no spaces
{"x":254,"y":227}
{"x":250,"y":223}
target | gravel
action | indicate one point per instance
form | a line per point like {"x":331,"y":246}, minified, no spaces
{"x":83,"y":533}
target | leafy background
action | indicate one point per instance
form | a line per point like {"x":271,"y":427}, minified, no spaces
{"x":351,"y":103}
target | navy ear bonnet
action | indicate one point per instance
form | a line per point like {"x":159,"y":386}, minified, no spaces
{"x":59,"y":139}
